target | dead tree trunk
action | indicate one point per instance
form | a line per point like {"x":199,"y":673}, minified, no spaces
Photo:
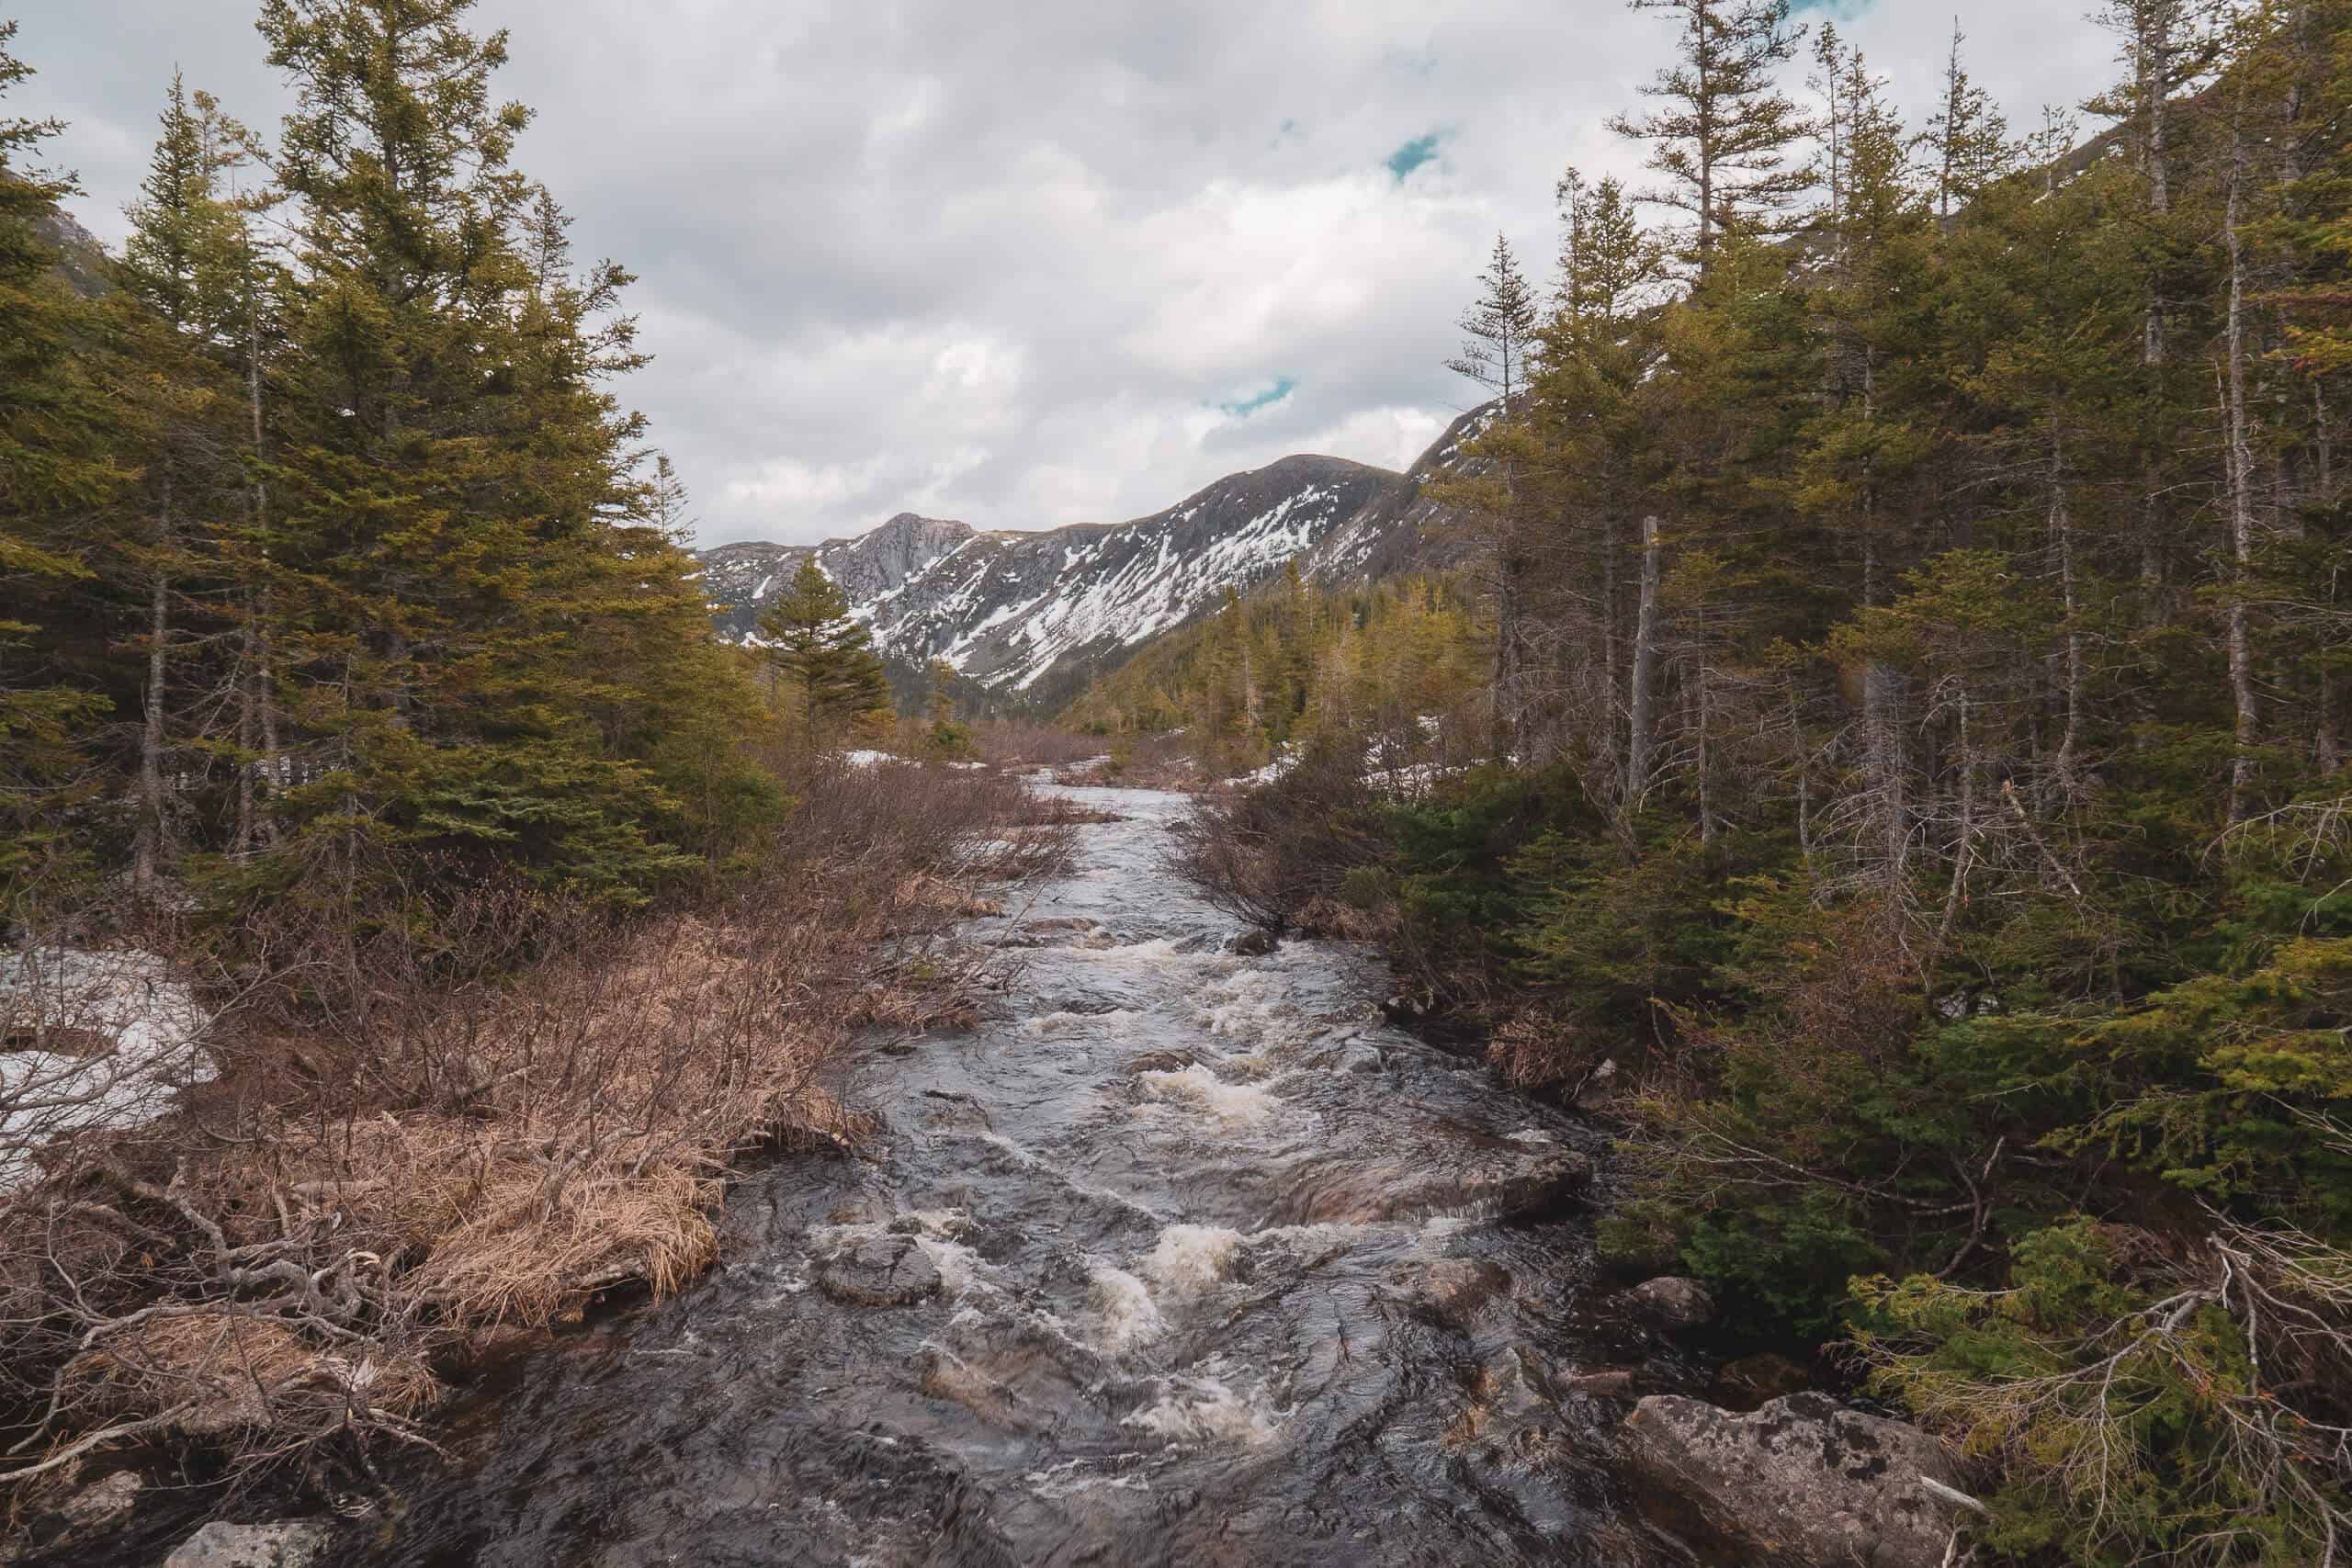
{"x":2061,"y":541}
{"x":147,"y":842}
{"x":1641,"y":698}
{"x":2241,"y":473}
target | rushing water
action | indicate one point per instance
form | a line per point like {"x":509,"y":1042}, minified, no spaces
{"x":1221,"y":1281}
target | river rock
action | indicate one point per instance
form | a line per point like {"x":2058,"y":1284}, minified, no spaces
{"x":1510,"y":1181}
{"x":1255,"y":943}
{"x":882,"y":1272}
{"x":1462,"y":1290}
{"x":1804,"y":1482}
{"x":102,"y":1505}
{"x":290,"y":1544}
{"x":1163,"y":1062}
{"x":1601,"y":1089}
{"x":1613,"y":1383}
{"x":1672,"y":1302}
{"x":1751,"y":1381}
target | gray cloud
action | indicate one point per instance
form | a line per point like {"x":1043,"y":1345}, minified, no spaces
{"x":1036,"y":265}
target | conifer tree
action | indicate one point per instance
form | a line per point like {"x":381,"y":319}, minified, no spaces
{"x":186,"y":274}
{"x":1498,"y":329}
{"x":1501,"y":327}
{"x":455,"y":522}
{"x":1967,"y":137}
{"x":56,"y":462}
{"x":828,"y":656}
{"x":1864,"y":449}
{"x":1721,"y":135}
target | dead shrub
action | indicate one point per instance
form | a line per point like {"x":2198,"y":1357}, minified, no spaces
{"x":1024,"y":743}
{"x":1268,"y":855}
{"x":1137,"y":761}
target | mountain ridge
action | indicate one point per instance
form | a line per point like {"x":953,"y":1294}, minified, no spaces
{"x":1037,"y":612}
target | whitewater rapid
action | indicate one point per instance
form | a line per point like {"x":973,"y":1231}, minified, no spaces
{"x":1205,"y":1263}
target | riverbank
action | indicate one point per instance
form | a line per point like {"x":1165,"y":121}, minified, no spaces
{"x":1175,"y":1253}
{"x":276,"y":1284}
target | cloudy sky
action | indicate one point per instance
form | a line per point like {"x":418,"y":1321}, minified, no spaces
{"x":1034,"y":263}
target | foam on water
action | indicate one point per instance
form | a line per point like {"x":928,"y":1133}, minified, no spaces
{"x":1159,"y":956}
{"x":1208,"y":1409}
{"x":1065,"y":1479}
{"x":1118,"y":1021}
{"x":961,"y":1271}
{"x":1193,"y":1257}
{"x":1251,"y":1005}
{"x":1233,"y":1104}
{"x":1123,"y":1308}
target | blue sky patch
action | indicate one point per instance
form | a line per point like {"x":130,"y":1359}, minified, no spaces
{"x":1280,"y":387}
{"x":1844,"y":10}
{"x":1413,"y":154}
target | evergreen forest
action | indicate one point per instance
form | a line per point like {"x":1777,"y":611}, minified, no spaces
{"x":1908,"y":699}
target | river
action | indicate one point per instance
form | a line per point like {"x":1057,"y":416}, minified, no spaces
{"x":1229,"y":1271}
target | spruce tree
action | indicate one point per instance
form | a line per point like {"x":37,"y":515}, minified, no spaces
{"x":1499,"y":330}
{"x":1722,"y":135}
{"x":185,"y":276}
{"x":1967,"y":137}
{"x":828,"y":656}
{"x":456,"y":531}
{"x":1501,"y":327}
{"x":58,"y":463}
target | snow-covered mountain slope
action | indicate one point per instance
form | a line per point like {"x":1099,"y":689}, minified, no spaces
{"x":743,"y":580}
{"x":1404,"y":529}
{"x":1035,"y":613}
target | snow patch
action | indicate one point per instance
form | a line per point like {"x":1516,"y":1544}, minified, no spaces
{"x":127,"y":1038}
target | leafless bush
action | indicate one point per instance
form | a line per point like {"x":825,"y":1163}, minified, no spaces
{"x":1023,"y":743}
{"x":1139,"y":761}
{"x":1269,"y":855}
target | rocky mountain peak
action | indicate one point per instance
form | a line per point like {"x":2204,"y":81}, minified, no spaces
{"x":1037,"y":612}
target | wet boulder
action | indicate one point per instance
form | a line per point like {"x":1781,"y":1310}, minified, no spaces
{"x":1609,"y":1383}
{"x":1255,"y":943}
{"x":1600,"y":1089}
{"x":1751,"y":1381}
{"x":1461,"y":1290}
{"x":1163,"y":1062}
{"x":1804,"y":1482}
{"x":292,"y":1543}
{"x":881,"y":1271}
{"x":1050,"y":932}
{"x":1503,"y":1181}
{"x":1672,"y":1302}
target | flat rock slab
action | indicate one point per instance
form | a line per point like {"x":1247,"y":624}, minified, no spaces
{"x":293,"y":1544}
{"x":883,"y":1272}
{"x":1802,"y":1483}
{"x":1500,"y":1180}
